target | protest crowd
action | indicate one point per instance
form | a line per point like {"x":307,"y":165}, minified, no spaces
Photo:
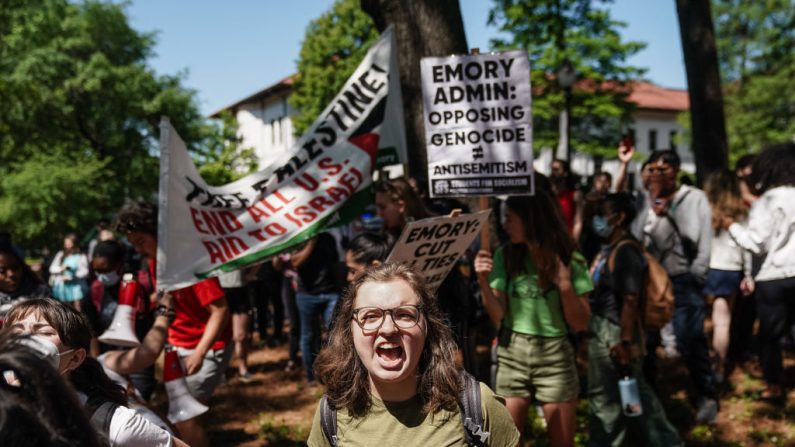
{"x":574,"y":270}
{"x":430,"y":318}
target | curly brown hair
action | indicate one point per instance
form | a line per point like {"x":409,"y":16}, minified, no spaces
{"x":339,"y":368}
{"x":137,"y":216}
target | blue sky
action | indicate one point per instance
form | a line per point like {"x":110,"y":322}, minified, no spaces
{"x":231,"y":49}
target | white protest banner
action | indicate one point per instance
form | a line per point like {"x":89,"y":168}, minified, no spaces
{"x":434,"y":245}
{"x":478,"y":124}
{"x":323,"y":180}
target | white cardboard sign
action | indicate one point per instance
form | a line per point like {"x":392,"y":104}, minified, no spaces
{"x":478,"y":124}
{"x":434,"y":245}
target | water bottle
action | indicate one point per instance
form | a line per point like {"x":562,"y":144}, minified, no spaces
{"x":630,"y":397}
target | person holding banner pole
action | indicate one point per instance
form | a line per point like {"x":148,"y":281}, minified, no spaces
{"x":536,"y":287}
{"x":200,"y":331}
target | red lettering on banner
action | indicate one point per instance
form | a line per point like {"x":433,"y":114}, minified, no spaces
{"x":230,"y":221}
{"x":307,"y":182}
{"x":329,"y":166}
{"x":275,"y":229}
{"x":320,"y":203}
{"x":292,"y":219}
{"x":257,"y":213}
{"x":257,"y":234}
{"x":281,"y":197}
{"x":308,"y":215}
{"x":338,"y":194}
{"x":273,"y":209}
{"x":213,"y":222}
{"x":233,"y":246}
{"x":352,"y":181}
{"x":214,"y":251}
{"x":197,"y":222}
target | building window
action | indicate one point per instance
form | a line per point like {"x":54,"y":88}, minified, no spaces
{"x":652,"y":140}
{"x":672,"y":139}
{"x":275,"y":132}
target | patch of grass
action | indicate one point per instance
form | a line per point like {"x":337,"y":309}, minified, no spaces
{"x":767,"y":437}
{"x":702,"y":435}
{"x":277,"y":432}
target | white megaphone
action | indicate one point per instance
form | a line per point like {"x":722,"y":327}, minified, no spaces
{"x":181,"y":404}
{"x":121,"y":331}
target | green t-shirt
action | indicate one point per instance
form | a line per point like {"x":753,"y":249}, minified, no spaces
{"x":530,"y":310}
{"x":402,"y":424}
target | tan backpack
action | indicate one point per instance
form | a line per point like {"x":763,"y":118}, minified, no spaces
{"x":657,"y":302}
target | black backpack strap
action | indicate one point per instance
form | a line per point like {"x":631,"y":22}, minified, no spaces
{"x":101,"y":416}
{"x":472,"y":411}
{"x":328,"y":420}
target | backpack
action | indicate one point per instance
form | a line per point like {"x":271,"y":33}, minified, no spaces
{"x":657,"y":300}
{"x":468,"y":402}
{"x":101,"y":415}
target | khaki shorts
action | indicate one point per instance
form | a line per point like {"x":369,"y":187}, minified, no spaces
{"x":544,"y":367}
{"x":202,"y":383}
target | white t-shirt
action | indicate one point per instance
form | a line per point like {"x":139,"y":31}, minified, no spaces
{"x":130,"y":429}
{"x":131,"y":403}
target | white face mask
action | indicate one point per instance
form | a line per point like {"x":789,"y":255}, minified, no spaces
{"x":108,"y":279}
{"x":45,"y":349}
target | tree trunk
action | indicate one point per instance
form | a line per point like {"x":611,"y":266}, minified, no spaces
{"x":704,"y":88}
{"x":422,"y":28}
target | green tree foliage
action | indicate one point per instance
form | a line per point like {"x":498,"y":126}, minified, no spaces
{"x":79,"y":116}
{"x":334,"y":45}
{"x":756,"y":50}
{"x":583,"y":32}
{"x":221,"y":158}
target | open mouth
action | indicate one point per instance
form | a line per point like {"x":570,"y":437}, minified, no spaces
{"x":389,"y":352}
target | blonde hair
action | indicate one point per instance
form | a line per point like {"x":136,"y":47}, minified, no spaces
{"x":723,"y":193}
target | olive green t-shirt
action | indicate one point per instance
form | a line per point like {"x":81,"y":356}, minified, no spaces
{"x":402,"y":424}
{"x":533,"y":311}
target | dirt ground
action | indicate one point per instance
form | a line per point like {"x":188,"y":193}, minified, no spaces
{"x":276,"y":408}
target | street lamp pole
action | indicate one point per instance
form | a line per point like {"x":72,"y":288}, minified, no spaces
{"x":566,"y":79}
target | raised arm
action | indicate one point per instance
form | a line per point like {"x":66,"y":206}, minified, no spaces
{"x":136,"y":359}
{"x":626,"y":149}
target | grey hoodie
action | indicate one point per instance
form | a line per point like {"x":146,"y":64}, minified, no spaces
{"x":691,"y":212}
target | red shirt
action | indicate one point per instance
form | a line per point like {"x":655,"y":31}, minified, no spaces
{"x":567,"y":206}
{"x":190,"y":307}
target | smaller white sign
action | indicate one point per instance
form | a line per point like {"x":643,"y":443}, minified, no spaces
{"x":434,"y":245}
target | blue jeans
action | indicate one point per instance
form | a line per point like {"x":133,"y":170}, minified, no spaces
{"x":688,"y":319}
{"x":310,"y":307}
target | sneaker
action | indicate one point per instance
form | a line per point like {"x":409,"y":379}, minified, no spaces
{"x":246,"y":378}
{"x":707,"y":411}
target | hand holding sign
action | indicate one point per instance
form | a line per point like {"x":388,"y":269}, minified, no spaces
{"x":434,"y":245}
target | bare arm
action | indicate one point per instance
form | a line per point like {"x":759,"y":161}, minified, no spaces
{"x":138,"y":358}
{"x":494,"y":301}
{"x":219,"y":317}
{"x":626,"y":149}
{"x":576,"y":309}
{"x":579,"y":201}
{"x":302,"y":255}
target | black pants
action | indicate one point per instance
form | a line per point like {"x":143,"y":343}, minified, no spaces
{"x":775,"y":304}
{"x":291,"y":308}
{"x":270,"y":307}
{"x":742,"y":344}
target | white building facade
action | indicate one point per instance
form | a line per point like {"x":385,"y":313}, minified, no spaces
{"x":265,"y":125}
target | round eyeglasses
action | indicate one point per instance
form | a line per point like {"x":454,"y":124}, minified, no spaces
{"x":372,"y":318}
